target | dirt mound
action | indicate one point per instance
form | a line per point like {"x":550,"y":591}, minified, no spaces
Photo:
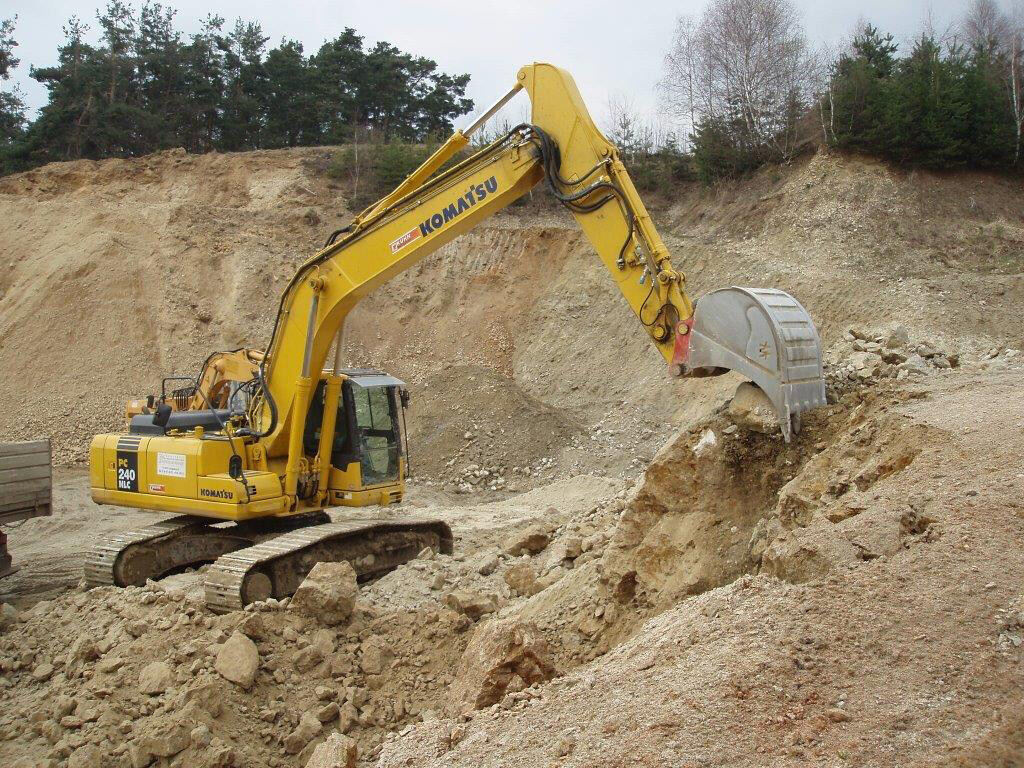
{"x":474,"y":428}
{"x":900,"y":652}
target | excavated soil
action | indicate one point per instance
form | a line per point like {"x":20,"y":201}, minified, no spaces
{"x":640,"y":576}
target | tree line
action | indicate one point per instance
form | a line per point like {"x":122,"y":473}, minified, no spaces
{"x":742,"y":82}
{"x":143,"y":86}
{"x":751,"y":89}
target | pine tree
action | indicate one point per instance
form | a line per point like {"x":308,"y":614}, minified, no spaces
{"x":141,"y":86}
{"x":12,"y":108}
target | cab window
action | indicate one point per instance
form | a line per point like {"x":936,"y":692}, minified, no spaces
{"x":377,"y":429}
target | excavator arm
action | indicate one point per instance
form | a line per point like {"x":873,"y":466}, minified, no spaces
{"x":765,"y":335}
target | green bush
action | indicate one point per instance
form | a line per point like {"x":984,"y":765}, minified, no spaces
{"x":720,"y":153}
{"x":940,"y":107}
{"x":370,"y":171}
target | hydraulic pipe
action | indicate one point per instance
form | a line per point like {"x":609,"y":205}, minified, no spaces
{"x":303,"y":386}
{"x":332,"y":390}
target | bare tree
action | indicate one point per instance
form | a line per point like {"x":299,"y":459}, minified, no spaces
{"x":746,"y":61}
{"x":680,"y":84}
{"x":999,"y":34}
{"x":627,"y":130}
{"x":1015,"y":47}
{"x":985,"y":26}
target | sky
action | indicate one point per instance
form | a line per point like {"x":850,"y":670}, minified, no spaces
{"x":614,"y":49}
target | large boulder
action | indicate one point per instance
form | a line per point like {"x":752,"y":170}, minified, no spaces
{"x":328,"y":594}
{"x":308,"y":728}
{"x":238,"y":660}
{"x":337,"y":751}
{"x":499,"y":652}
{"x":155,"y":678}
{"x":751,"y":409}
{"x":529,"y":541}
{"x":522,"y":579}
{"x":472,"y":604}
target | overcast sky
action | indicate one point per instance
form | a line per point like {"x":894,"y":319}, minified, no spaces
{"x":612,"y":48}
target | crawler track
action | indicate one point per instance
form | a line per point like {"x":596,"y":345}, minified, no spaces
{"x":130,"y":557}
{"x":276,"y":567}
{"x":261,"y":559}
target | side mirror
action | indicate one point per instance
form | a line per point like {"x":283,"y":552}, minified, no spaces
{"x":235,"y":467}
{"x":403,"y":395}
{"x":163,"y":415}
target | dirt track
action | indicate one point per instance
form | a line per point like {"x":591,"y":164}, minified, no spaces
{"x":851,"y":599}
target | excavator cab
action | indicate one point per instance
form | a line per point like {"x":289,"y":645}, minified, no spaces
{"x":367,"y":459}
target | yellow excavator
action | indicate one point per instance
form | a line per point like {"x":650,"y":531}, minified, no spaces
{"x":251,"y":488}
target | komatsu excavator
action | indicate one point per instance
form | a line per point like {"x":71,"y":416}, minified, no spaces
{"x":251,"y":488}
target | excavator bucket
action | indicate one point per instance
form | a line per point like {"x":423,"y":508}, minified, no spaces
{"x":763,"y":334}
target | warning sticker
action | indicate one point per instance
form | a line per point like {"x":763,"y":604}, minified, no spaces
{"x":170,"y":464}
{"x":400,"y":242}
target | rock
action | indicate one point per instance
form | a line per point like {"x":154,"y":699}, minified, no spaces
{"x":550,"y":578}
{"x":568,"y":548}
{"x":163,"y":737}
{"x":306,"y":658}
{"x":110,"y":665}
{"x":348,"y":716}
{"x":42,"y":671}
{"x":893,"y":357}
{"x":200,"y":736}
{"x":337,"y":751}
{"x":309,"y":726}
{"x":155,"y":678}
{"x":867,"y":365}
{"x":565,"y":747}
{"x":88,"y":756}
{"x":328,"y":712}
{"x":238,"y":660}
{"x":83,"y":649}
{"x":328,"y":594}
{"x":751,"y":409}
{"x":914,"y":364}
{"x":896,"y":336}
{"x":487,"y":564}
{"x":8,"y":615}
{"x":324,"y":693}
{"x":207,"y":696}
{"x":471,"y":604}
{"x":804,"y":554}
{"x":522,"y":579}
{"x":499,"y":651}
{"x":376,"y":656}
{"x":859,"y":333}
{"x":323,"y":640}
{"x":530,"y":541}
